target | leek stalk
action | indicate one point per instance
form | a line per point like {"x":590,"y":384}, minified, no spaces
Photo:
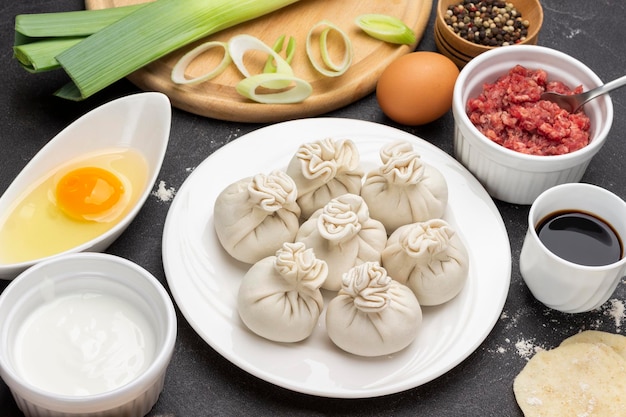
{"x":40,"y":56}
{"x":80,"y":23}
{"x":40,"y":37}
{"x":147,"y":34}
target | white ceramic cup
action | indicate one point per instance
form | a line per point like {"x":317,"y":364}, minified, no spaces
{"x":560,"y":284}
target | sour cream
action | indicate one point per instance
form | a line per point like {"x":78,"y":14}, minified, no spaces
{"x":84,"y":343}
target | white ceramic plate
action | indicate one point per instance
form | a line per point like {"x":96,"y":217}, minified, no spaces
{"x":204,"y":280}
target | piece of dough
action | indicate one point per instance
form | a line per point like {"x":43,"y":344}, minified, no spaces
{"x":573,"y":380}
{"x":615,"y":341}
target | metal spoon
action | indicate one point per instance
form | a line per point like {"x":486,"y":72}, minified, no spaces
{"x":574,"y":102}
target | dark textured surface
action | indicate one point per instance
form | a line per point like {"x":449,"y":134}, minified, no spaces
{"x":200,"y":382}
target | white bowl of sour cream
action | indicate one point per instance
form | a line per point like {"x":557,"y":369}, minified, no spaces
{"x":86,"y":334}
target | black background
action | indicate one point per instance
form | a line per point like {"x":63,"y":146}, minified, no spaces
{"x":200,"y":382}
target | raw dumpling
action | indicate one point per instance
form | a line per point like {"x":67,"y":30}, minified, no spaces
{"x":256,"y":215}
{"x":404,"y":189}
{"x":373,"y":314}
{"x":343,"y":234}
{"x":430,"y":258}
{"x":324,"y":170}
{"x":393,"y":149}
{"x":279,"y":297}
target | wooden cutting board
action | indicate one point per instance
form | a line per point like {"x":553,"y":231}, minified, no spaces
{"x":218,"y":98}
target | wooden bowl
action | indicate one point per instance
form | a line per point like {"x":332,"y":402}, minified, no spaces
{"x":461,"y":51}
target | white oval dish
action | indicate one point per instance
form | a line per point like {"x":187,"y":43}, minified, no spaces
{"x":140,"y":122}
{"x":95,"y":274}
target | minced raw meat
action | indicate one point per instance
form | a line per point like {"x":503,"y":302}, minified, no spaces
{"x":510,"y":113}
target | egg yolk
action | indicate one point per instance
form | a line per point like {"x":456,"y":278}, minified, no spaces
{"x":88,"y":191}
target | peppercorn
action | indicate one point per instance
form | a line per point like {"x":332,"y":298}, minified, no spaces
{"x":487,"y":22}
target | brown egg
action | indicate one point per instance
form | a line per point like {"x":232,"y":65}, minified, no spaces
{"x":416,"y":88}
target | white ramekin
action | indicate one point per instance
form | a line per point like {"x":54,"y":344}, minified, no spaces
{"x":508,"y":175}
{"x":105,"y":274}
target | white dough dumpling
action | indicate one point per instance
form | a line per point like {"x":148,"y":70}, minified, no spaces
{"x":404,"y":189}
{"x":323,"y":170}
{"x":430,"y":258}
{"x":373,"y":314}
{"x":279,"y":297}
{"x":254,"y":216}
{"x":343,"y":234}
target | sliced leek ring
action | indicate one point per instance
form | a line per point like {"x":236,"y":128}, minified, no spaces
{"x":290,"y":51}
{"x":329,"y":68}
{"x":240,"y":44}
{"x":178,"y":72}
{"x":296,"y":90}
{"x":386,"y":28}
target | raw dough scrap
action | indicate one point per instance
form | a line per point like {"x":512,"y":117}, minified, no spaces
{"x":573,"y":380}
{"x":615,"y":341}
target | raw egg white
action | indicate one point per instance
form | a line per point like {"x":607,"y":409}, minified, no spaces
{"x":416,"y":88}
{"x":72,"y":205}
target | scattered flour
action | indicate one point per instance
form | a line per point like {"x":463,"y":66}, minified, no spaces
{"x":163,"y":193}
{"x":617,"y":311}
{"x":511,"y":321}
{"x":573,"y":33}
{"x":526,"y":348}
{"x":614,"y":309}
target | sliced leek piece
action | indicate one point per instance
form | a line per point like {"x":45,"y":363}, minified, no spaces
{"x":239,"y":45}
{"x":178,"y":72}
{"x":297,"y":89}
{"x":40,"y":37}
{"x":386,"y":28}
{"x":290,"y":50}
{"x":327,"y":67}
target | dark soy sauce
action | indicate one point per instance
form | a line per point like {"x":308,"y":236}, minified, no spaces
{"x":581,"y":238}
